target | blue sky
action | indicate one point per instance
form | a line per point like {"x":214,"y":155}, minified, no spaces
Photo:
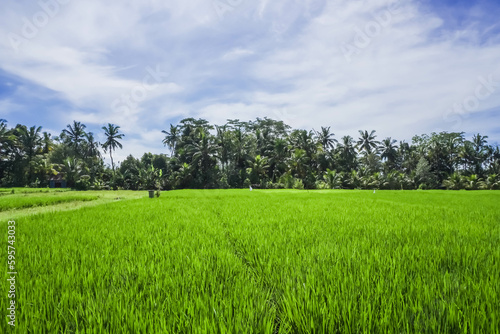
{"x":400,"y":67}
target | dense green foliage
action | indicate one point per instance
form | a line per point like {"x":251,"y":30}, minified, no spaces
{"x":263,"y":153}
{"x":235,"y":261}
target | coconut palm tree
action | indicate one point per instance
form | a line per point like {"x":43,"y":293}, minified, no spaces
{"x":204,"y":155}
{"x":479,"y":144}
{"x":389,"y":152}
{"x":71,"y":170}
{"x":224,"y":145}
{"x":325,"y":138}
{"x":371,"y":163}
{"x":347,"y":154}
{"x":304,"y":140}
{"x":171,"y":138}
{"x":467,"y":155}
{"x":91,"y":147}
{"x":241,"y":148}
{"x":332,"y":179}
{"x":74,"y":135}
{"x":111,"y":143}
{"x":6,"y":137}
{"x":473,"y":182}
{"x":31,"y":143}
{"x":258,"y":168}
{"x":278,"y":159}
{"x":367,"y":142}
{"x":454,"y":182}
{"x":492,"y":182}
{"x":299,"y":163}
{"x":47,"y":143}
{"x":494,"y":161}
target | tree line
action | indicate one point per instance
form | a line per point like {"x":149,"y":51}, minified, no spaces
{"x":263,"y":153}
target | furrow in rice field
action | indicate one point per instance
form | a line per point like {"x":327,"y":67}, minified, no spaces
{"x":234,"y":261}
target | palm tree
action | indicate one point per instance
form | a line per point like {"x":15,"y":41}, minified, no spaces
{"x":277,"y":160}
{"x":388,"y":150}
{"x":333,"y":179}
{"x":304,"y":140}
{"x":6,"y":136}
{"x":473,"y":182}
{"x":91,"y":147}
{"x":71,"y":170}
{"x":299,"y":163}
{"x":45,"y":169}
{"x":241,"y":148}
{"x":47,"y":143}
{"x":75,"y":135}
{"x":183,"y":175}
{"x":492,"y":182}
{"x":452,"y":144}
{"x":31,"y":142}
{"x":326,"y":138}
{"x":258,"y":167}
{"x":367,"y":141}
{"x":479,"y":143}
{"x":347,"y":153}
{"x":171,"y":138}
{"x":371,"y":163}
{"x":204,"y":154}
{"x":467,"y":155}
{"x":224,"y":144}
{"x":494,"y":160}
{"x":111,"y":143}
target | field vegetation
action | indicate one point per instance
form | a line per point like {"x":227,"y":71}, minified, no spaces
{"x":27,"y":200}
{"x":282,"y":261}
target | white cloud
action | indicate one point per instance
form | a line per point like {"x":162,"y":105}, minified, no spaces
{"x":237,"y":53}
{"x":281,"y":59}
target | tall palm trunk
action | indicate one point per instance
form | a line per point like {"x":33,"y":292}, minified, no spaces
{"x":112,"y":163}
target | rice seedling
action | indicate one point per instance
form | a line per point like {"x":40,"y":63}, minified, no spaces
{"x":235,"y":261}
{"x":28,"y":200}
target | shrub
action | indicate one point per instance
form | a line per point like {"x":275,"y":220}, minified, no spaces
{"x":298,"y":184}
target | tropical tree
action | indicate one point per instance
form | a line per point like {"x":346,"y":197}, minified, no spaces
{"x":47,"y":143}
{"x":74,"y":135}
{"x":258,"y":168}
{"x":492,"y":182}
{"x":278,"y":158}
{"x":113,"y":134}
{"x":480,"y":152}
{"x":333,"y":179}
{"x":224,"y":145}
{"x":473,"y":182}
{"x":31,"y":143}
{"x":389,"y":153}
{"x":299,"y":163}
{"x":171,"y":138}
{"x":367,"y":143}
{"x":325,"y":138}
{"x":204,"y":155}
{"x":454,"y":182}
{"x":424,"y":178}
{"x":346,"y":153}
{"x":72,"y":169}
{"x":91,"y":147}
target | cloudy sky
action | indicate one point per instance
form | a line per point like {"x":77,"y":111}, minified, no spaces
{"x":400,"y":67}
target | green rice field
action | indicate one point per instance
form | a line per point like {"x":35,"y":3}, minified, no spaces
{"x":29,"y":200}
{"x":262,"y":261}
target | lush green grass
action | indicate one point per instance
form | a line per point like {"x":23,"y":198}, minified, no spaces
{"x":263,"y":261}
{"x":26,"y":190}
{"x":28,"y":200}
